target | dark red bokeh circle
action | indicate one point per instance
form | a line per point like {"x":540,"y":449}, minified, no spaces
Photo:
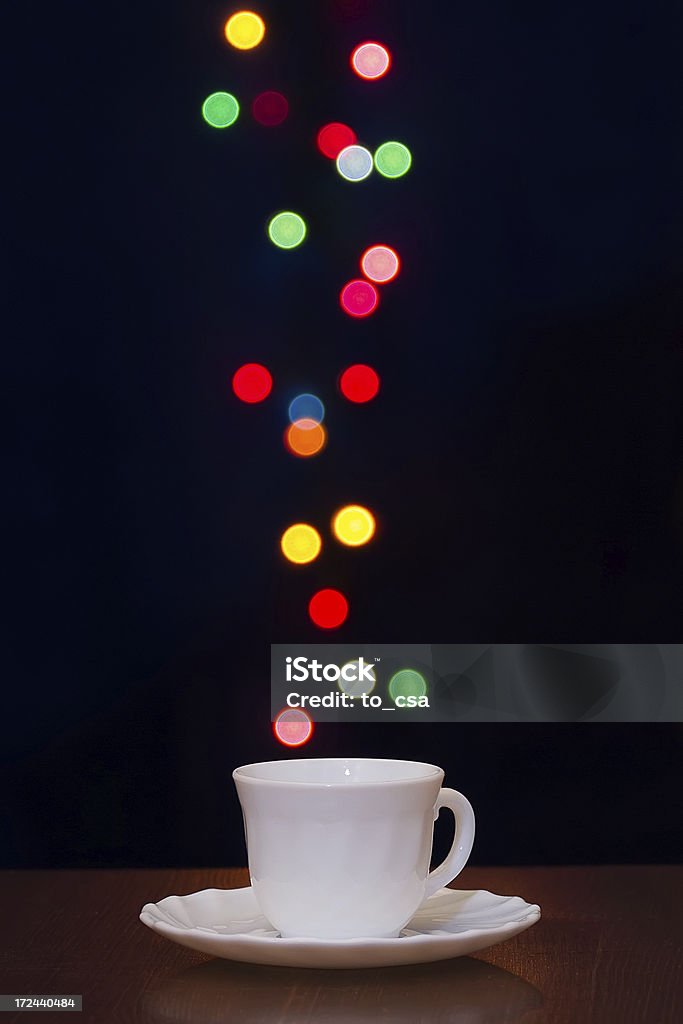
{"x":270,"y":108}
{"x":328,"y":608}
{"x":252,"y":383}
{"x":334,"y":137}
{"x":359,"y":383}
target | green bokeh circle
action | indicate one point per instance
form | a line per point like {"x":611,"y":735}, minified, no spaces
{"x":220,"y":109}
{"x":393,"y":159}
{"x":407,"y":683}
{"x":287,"y":230}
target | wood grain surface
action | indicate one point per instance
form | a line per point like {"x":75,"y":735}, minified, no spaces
{"x":608,"y":949}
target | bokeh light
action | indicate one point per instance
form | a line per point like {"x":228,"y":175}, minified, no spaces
{"x":244,"y":30}
{"x":380,"y":263}
{"x":305,"y":438}
{"x":300,"y":543}
{"x":328,"y":608}
{"x":354,"y":163}
{"x":393,"y":159}
{"x":359,"y":383}
{"x":359,"y":298}
{"x":357,"y":687}
{"x":306,"y":407}
{"x":287,"y":229}
{"x":350,"y":10}
{"x":293,"y":727}
{"x":252,"y":383}
{"x":220,"y":109}
{"x":407,"y":683}
{"x":353,"y":525}
{"x":334,"y":137}
{"x":270,"y":108}
{"x":370,"y":61}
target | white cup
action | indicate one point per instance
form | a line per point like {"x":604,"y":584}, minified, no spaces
{"x":339,"y":847}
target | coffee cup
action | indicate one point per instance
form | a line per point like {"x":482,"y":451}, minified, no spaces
{"x":339,"y":848}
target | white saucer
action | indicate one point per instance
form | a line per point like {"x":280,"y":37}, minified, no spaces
{"x":227,"y":923}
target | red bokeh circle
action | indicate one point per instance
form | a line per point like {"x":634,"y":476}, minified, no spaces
{"x":359,"y":383}
{"x":334,"y":137}
{"x":252,"y":383}
{"x":359,"y":298}
{"x":328,"y":608}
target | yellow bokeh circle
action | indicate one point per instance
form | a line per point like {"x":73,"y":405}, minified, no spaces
{"x":353,"y":525}
{"x":244,"y":30}
{"x":301,"y":543}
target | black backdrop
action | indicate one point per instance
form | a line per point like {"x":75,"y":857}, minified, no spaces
{"x":524,"y":456}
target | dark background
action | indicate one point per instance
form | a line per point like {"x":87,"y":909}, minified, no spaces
{"x":524,"y":456}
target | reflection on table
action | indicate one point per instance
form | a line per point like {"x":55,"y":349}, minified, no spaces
{"x":462,"y":991}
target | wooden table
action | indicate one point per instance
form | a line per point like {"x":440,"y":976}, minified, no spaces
{"x":608,"y":948}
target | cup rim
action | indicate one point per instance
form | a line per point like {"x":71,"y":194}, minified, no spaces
{"x":434,"y":772}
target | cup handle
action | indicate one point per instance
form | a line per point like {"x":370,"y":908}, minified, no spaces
{"x":462,"y":841}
